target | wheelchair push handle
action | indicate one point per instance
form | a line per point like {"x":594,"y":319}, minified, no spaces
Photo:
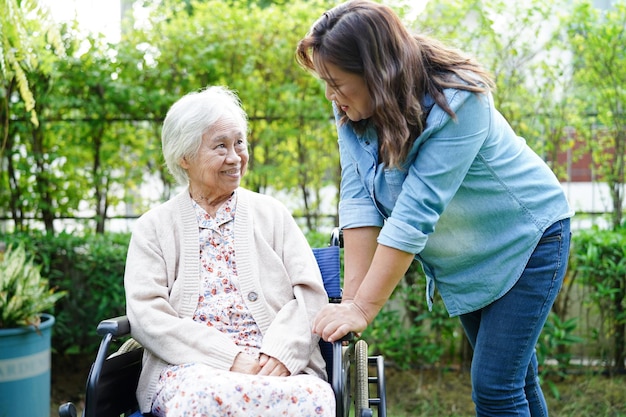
{"x":116,"y":327}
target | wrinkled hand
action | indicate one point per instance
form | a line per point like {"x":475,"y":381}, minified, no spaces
{"x":337,"y":320}
{"x":272,"y":366}
{"x":245,"y":364}
{"x":265,"y":365}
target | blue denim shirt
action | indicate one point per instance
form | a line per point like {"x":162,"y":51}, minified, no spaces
{"x":471,"y":201}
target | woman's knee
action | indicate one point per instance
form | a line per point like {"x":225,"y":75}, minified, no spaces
{"x":491,"y":398}
{"x":495,"y":392}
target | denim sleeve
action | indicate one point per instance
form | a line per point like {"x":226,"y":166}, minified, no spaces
{"x":358,"y":213}
{"x":356,"y":206}
{"x":447,"y":149}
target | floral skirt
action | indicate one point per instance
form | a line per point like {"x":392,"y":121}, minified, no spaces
{"x":201,"y":391}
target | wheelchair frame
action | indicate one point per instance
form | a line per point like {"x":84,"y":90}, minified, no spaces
{"x":113,"y":378}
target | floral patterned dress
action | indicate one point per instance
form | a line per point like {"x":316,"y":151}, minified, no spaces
{"x":199,"y":390}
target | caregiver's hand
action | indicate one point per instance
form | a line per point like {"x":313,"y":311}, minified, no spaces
{"x":337,"y":320}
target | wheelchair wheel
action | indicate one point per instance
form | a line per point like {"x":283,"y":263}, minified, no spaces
{"x":361,"y":386}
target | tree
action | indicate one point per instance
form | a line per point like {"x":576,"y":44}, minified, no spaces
{"x":86,"y":151}
{"x":101,"y":107}
{"x":111,"y":148}
{"x":251,"y":50}
{"x":30,"y":45}
{"x":597,"y":39}
{"x":519,"y":43}
{"x":24,"y":29}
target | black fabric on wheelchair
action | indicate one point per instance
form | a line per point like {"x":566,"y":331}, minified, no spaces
{"x":118,"y":382}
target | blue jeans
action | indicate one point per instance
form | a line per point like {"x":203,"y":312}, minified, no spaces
{"x":504,"y":334}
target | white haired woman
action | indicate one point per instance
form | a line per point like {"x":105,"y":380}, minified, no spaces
{"x":221,"y":284}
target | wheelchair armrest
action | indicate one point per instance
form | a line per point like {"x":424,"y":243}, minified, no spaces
{"x":116,"y":327}
{"x":109,"y":330}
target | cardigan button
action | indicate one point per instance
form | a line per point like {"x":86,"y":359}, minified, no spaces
{"x":252,"y":296}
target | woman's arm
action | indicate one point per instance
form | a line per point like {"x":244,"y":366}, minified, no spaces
{"x":387,"y":269}
{"x":359,"y":247}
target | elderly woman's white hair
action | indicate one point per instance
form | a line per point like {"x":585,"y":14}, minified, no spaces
{"x":190,"y":118}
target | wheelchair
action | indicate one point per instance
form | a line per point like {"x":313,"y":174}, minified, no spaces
{"x":113,"y":378}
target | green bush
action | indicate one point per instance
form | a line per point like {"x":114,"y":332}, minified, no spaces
{"x":599,"y":257}
{"x":318,"y":239}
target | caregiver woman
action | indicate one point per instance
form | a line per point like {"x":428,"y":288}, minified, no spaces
{"x":431,"y":170}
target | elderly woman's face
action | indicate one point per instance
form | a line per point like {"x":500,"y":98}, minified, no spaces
{"x":221,"y":161}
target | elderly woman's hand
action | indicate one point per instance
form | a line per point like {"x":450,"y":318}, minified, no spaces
{"x":245,"y":364}
{"x":334,"y":321}
{"x":272,"y":366}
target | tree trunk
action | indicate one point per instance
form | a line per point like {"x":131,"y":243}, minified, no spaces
{"x":620,"y":327}
{"x":46,"y":206}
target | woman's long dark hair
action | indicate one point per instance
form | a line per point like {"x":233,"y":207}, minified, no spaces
{"x":399,"y":68}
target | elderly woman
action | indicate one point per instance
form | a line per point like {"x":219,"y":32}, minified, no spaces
{"x":221,"y":285}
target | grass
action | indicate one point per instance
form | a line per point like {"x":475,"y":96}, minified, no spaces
{"x":448,"y":394}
